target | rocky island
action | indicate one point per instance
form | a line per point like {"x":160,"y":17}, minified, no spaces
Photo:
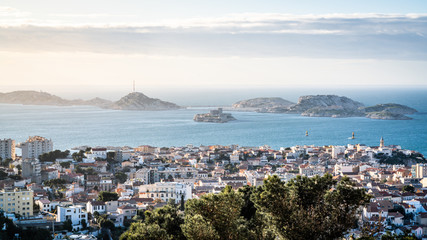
{"x":133,"y":101}
{"x":335,"y":106}
{"x":389,"y":111}
{"x":44,"y":98}
{"x":215,"y":116}
{"x":138,"y":101}
{"x":262,"y":104}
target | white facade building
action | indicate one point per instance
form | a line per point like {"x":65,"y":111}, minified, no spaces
{"x":36,"y":146}
{"x":166,"y":191}
{"x":73,"y":213}
{"x":96,"y":206}
{"x":337,"y":150}
{"x":7,"y":149}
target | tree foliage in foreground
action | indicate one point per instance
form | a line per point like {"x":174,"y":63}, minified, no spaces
{"x":162,"y":223}
{"x":304,"y":208}
{"x":310,"y":208}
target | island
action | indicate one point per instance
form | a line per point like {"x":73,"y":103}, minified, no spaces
{"x":133,"y":101}
{"x":262,"y":104}
{"x":328,"y":106}
{"x":215,"y":116}
{"x":138,"y":101}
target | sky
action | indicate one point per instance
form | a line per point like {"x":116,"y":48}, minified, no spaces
{"x":197,"y":51}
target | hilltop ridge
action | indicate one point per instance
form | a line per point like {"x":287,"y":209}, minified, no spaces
{"x":132,"y":101}
{"x":139,"y":101}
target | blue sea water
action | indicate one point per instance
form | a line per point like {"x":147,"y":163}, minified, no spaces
{"x":83,"y":125}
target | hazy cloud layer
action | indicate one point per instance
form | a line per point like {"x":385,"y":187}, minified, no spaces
{"x":246,"y":35}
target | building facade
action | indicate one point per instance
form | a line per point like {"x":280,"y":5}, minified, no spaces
{"x":17,"y":201}
{"x":35,"y":146}
{"x":7,"y":149}
{"x":166,"y":191}
{"x":73,"y":213}
{"x":420,"y":170}
{"x":31,"y":168}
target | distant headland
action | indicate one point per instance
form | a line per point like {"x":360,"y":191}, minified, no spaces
{"x":132,"y":101}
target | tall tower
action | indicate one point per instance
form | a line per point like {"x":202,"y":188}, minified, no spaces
{"x":382,"y":142}
{"x":133,"y":85}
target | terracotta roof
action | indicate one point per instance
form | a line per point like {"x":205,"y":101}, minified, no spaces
{"x":124,"y":207}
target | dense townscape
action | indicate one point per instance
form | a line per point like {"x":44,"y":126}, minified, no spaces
{"x":92,"y":192}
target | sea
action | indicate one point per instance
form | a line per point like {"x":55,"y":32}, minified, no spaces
{"x":73,"y":126}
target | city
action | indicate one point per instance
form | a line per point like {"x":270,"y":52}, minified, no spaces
{"x":213,"y":120}
{"x":68,"y":193}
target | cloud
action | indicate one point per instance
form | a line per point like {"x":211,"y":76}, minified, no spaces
{"x":90,"y":15}
{"x":389,"y":36}
{"x":12,"y":12}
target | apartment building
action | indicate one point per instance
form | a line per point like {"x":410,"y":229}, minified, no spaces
{"x":35,"y":146}
{"x":7,"y":149}
{"x":166,"y":191}
{"x":73,"y":213}
{"x":17,"y":201}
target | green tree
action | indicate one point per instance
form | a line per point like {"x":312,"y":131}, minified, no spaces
{"x":84,"y":224}
{"x":6,"y":162}
{"x":105,"y":223}
{"x":310,"y":208}
{"x":65,"y":164}
{"x":196,"y":227}
{"x":3,"y":175}
{"x":121,"y":177}
{"x":231,"y":168}
{"x":96,"y":215}
{"x":215,"y":214}
{"x":168,"y":218}
{"x":52,"y":156}
{"x":55,"y":183}
{"x":78,"y":156}
{"x":165,"y":222}
{"x":68,"y":225}
{"x":408,"y":188}
{"x":182,"y":203}
{"x":143,"y":231}
{"x":107,"y":196}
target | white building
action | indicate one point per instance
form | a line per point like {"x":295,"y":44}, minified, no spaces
{"x":35,"y":146}
{"x":420,"y":170}
{"x":7,"y":149}
{"x":96,"y":206}
{"x":166,"y":191}
{"x":44,"y":204}
{"x":73,"y":213}
{"x":337,"y":150}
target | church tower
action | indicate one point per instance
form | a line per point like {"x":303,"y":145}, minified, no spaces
{"x":382,"y":142}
